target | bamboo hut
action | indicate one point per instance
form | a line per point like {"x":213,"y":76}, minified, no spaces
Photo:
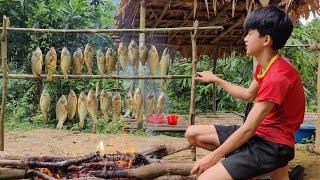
{"x":227,"y":13}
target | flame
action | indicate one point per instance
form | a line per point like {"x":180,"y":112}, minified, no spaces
{"x":130,"y":164}
{"x":122,"y":164}
{"x":101,"y":148}
{"x":132,"y":151}
{"x":46,"y":171}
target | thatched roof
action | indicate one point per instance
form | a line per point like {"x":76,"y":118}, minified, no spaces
{"x":227,"y":13}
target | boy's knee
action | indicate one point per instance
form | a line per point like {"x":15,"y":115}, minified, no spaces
{"x":191,"y":135}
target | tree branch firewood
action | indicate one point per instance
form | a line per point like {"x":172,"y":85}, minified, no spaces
{"x":148,"y":171}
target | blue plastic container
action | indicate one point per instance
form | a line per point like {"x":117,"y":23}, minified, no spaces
{"x":305,"y":131}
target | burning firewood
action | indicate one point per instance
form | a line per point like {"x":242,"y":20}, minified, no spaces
{"x":95,"y":166}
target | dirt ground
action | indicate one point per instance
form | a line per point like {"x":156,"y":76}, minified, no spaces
{"x":66,"y":143}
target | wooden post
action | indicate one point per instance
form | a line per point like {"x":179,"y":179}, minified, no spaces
{"x":142,"y":39}
{"x":4,"y":49}
{"x":214,"y":87}
{"x":317,"y":143}
{"x":193,"y":82}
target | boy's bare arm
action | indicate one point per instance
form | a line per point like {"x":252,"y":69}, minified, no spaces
{"x":247,"y":94}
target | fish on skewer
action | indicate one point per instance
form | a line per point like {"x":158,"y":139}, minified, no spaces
{"x":45,"y":100}
{"x":77,"y":62}
{"x":61,"y":111}
{"x":65,"y":63}
{"x":122,"y":55}
{"x":92,"y":106}
{"x":88,"y":58}
{"x":37,"y":62}
{"x":51,"y":63}
{"x":82,"y":109}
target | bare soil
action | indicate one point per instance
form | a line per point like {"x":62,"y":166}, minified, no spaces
{"x":66,"y":143}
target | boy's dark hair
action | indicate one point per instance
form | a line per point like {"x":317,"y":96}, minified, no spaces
{"x":270,"y":21}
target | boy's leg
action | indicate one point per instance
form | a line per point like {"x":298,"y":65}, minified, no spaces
{"x":217,"y":172}
{"x":278,"y":174}
{"x":203,"y":136}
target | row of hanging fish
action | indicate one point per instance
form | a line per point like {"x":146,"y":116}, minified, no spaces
{"x":66,"y":107}
{"x":106,"y":62}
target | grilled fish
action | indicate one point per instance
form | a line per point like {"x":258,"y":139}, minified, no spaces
{"x":65,"y":63}
{"x":143,"y":54}
{"x":122,"y":55}
{"x":51,"y":63}
{"x":161,"y":103}
{"x":110,"y":61}
{"x":116,"y":106}
{"x":138,"y":101}
{"x":45,"y":100}
{"x":61,"y":111}
{"x":150,"y":103}
{"x":92,"y":106}
{"x":133,"y":53}
{"x":72,"y":104}
{"x":82,"y":108}
{"x":77,"y":62}
{"x":163,"y":66}
{"x":88,"y":58}
{"x":105,"y":104}
{"x":37,"y":62}
{"x":128,"y":104}
{"x":101,"y":62}
{"x":153,"y":60}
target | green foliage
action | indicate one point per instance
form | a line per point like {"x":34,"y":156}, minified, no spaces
{"x":304,"y":59}
{"x":23,"y":100}
{"x":237,"y":70}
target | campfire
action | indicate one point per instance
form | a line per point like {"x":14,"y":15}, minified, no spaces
{"x":98,"y":165}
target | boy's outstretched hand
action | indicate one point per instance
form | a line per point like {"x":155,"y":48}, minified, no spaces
{"x":206,"y":77}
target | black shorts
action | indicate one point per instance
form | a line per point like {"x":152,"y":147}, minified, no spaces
{"x":256,"y":157}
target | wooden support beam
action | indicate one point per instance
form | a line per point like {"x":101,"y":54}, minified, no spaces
{"x":4,"y":64}
{"x":162,"y":14}
{"x":193,"y":83}
{"x":240,"y":22}
{"x":142,"y":39}
{"x":317,"y":143}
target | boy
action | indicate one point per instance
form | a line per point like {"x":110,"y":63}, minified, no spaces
{"x":265,"y":142}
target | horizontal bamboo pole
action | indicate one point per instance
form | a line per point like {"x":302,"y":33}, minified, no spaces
{"x":86,"y":77}
{"x":112,"y":30}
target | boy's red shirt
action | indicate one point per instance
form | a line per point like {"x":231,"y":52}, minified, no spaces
{"x":282,"y":85}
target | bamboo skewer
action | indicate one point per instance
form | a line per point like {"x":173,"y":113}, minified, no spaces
{"x":143,"y":30}
{"x":87,"y":77}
